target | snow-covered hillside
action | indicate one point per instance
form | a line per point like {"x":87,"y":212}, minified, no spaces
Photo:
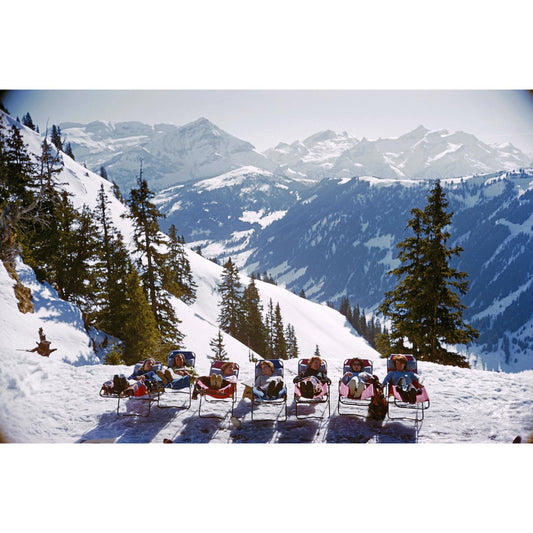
{"x":56,"y":399}
{"x":221,"y":214}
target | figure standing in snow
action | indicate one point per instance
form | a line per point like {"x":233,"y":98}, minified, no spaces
{"x":266,"y":384}
{"x":357,"y":378}
{"x":407,"y":383}
{"x":43,"y":346}
{"x":312,"y":380}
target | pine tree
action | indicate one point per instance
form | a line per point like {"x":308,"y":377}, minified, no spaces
{"x":425,"y":307}
{"x":38,"y":235}
{"x":117,"y":192}
{"x":103,"y":173}
{"x":255,"y":333}
{"x":151,"y":261}
{"x":217,"y":347}
{"x":269,"y":326}
{"x":139,"y":333}
{"x":55,"y":137}
{"x":113,"y":266}
{"x":177,"y":273}
{"x":279,"y":342}
{"x":28,"y":122}
{"x":19,"y":190}
{"x":292,"y":343}
{"x":68,"y":150}
{"x":231,"y":315}
{"x":73,"y":262}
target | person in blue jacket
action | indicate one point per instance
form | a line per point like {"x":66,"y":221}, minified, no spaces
{"x":407,"y":383}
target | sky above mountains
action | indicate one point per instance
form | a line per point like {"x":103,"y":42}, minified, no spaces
{"x":267,"y":117}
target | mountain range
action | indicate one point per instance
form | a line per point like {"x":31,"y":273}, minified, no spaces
{"x":176,"y":154}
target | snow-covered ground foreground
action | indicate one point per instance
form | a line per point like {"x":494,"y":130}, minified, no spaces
{"x":44,"y":400}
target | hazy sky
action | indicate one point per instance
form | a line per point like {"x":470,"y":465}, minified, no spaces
{"x":265,"y":118}
{"x":453,"y":65}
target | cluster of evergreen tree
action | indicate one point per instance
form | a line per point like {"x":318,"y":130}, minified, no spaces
{"x":83,"y":255}
{"x":425,"y":308}
{"x":266,"y":277}
{"x":241,"y":316}
{"x":57,"y":141}
{"x":370,"y":330}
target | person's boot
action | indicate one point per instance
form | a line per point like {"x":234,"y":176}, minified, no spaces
{"x":411,"y":395}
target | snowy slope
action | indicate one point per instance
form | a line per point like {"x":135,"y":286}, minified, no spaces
{"x":56,"y":399}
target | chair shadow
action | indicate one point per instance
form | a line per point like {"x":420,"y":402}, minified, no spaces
{"x":196,"y":430}
{"x":357,"y":429}
{"x":299,"y":431}
{"x":129,"y":429}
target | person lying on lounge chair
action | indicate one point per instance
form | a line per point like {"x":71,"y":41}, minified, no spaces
{"x":356,"y":379}
{"x":312,"y":380}
{"x":178,"y":376}
{"x":407,"y":383}
{"x":267,"y":385}
{"x":217,"y":381}
{"x":143,"y":379}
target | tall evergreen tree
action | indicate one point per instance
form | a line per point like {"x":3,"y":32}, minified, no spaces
{"x":68,"y":150}
{"x":293,"y":351}
{"x":425,"y":307}
{"x":19,"y":190}
{"x":279,"y":342}
{"x":269,"y":326}
{"x":28,"y":122}
{"x":113,"y":266}
{"x":38,"y":234}
{"x":177,"y":273}
{"x":231,"y":315}
{"x":254,"y":333}
{"x":139,"y":333}
{"x":55,"y":137}
{"x":74,"y":258}
{"x":149,"y":242}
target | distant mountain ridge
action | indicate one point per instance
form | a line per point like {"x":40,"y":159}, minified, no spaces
{"x":419,"y":154}
{"x":170,"y":154}
{"x":198,"y":150}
